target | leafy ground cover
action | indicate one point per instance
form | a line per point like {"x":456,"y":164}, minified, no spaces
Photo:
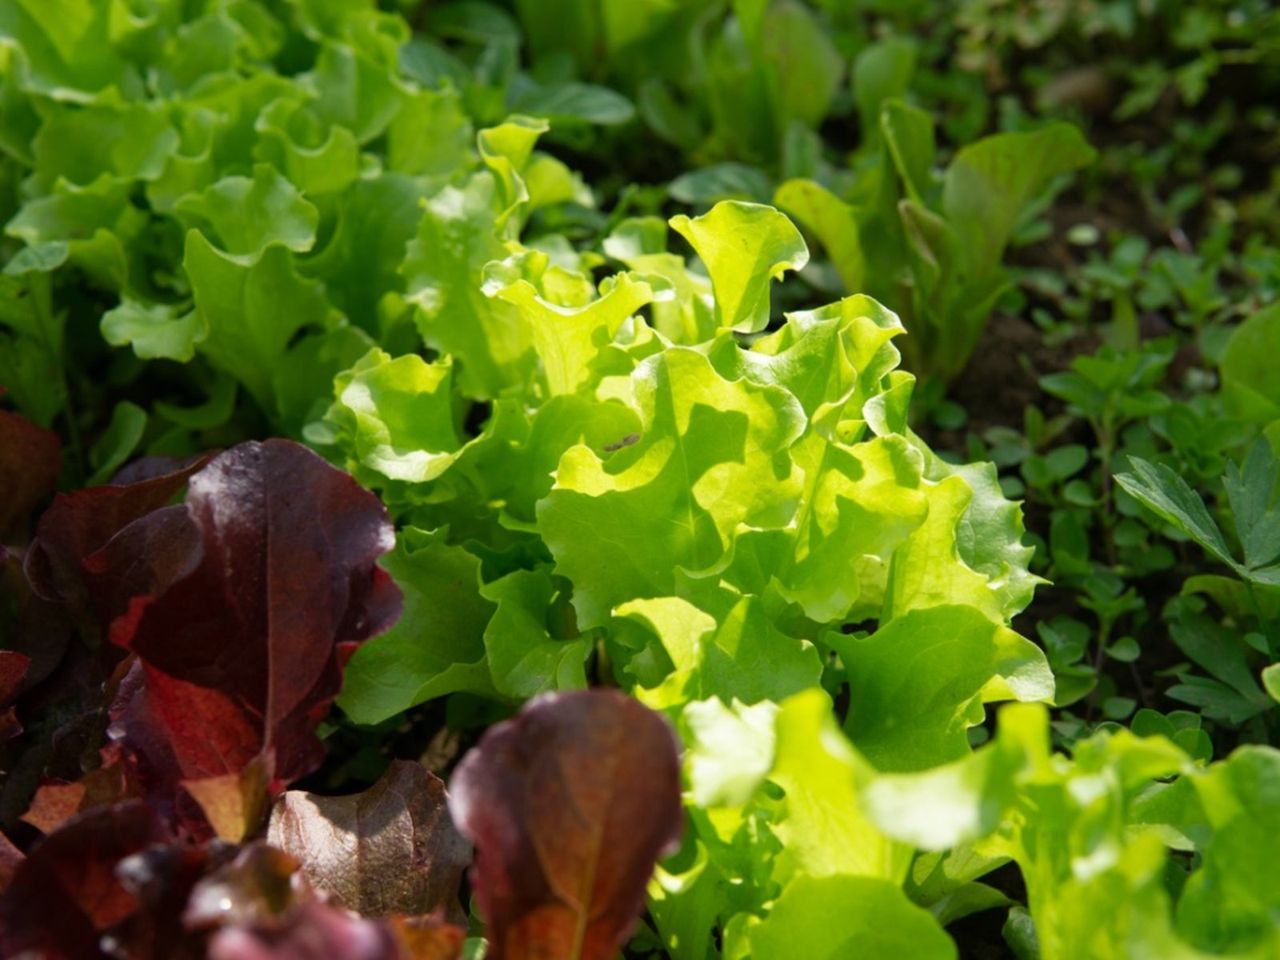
{"x":683,"y":480}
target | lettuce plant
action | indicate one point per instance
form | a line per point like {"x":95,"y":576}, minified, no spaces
{"x":662,"y":492}
{"x":931,"y":246}
{"x":225,"y":186}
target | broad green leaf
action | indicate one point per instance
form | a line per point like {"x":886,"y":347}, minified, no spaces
{"x":834,"y":917}
{"x":684,"y":904}
{"x":132,"y":141}
{"x":354,"y":91}
{"x":745,"y":247}
{"x":1250,"y":390}
{"x":807,"y":66}
{"x":1171,"y":498}
{"x":687,"y":316}
{"x":704,"y":446}
{"x":927,"y":569}
{"x":1250,"y":491}
{"x":507,"y":150}
{"x":567,"y":103}
{"x":431,"y":136}
{"x":94,"y":227}
{"x":567,"y":339}
{"x":989,"y":183}
{"x":858,"y":503}
{"x":303,"y":380}
{"x":881,"y":71}
{"x":918,"y":683}
{"x":832,"y":359}
{"x":317,"y":157}
{"x":436,"y":647}
{"x":909,"y":135}
{"x":721,"y":182}
{"x":1230,"y":903}
{"x":398,"y":415}
{"x":942,"y":807}
{"x":360,"y":263}
{"x":251,"y":312}
{"x":989,"y":536}
{"x":726,"y":646}
{"x":820,"y":820}
{"x":1271,"y":681}
{"x":832,"y":221}
{"x":63,"y":45}
{"x":154,"y":330}
{"x":248,"y":215}
{"x":443,"y":270}
{"x":524,"y":658}
{"x":731,"y":750}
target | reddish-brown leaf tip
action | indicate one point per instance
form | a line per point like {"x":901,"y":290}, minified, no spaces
{"x":569,"y":805}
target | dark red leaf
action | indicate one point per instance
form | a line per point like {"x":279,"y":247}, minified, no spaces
{"x":569,"y":806}
{"x":13,"y":668}
{"x":259,"y":907}
{"x":66,"y":894}
{"x":244,"y":655}
{"x":391,"y":849}
{"x":313,"y":931}
{"x":257,"y":888}
{"x":161,"y":878}
{"x":10,"y":858}
{"x":29,"y":463}
{"x":82,"y":523}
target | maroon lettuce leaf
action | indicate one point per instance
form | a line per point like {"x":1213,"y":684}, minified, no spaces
{"x":321,"y":931}
{"x":162,"y":878}
{"x":392,"y":849}
{"x":13,"y":670}
{"x":257,"y":887}
{"x":569,"y":806}
{"x":242,"y":657}
{"x":80,"y":524}
{"x":66,"y":895}
{"x":30,"y":458}
{"x":10,"y":858}
{"x":260,"y":907}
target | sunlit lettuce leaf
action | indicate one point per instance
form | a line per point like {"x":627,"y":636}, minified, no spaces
{"x":745,"y":247}
{"x":246,"y":215}
{"x":397,"y":415}
{"x":705,"y":446}
{"x":251,"y":312}
{"x":988,"y":183}
{"x":1230,"y":902}
{"x":918,"y":683}
{"x":725,"y":646}
{"x":443,"y":270}
{"x":568,"y":338}
{"x":830,"y":917}
{"x":436,"y":647}
{"x":523,"y":655}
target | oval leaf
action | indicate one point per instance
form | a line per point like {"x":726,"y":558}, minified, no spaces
{"x":569,"y":805}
